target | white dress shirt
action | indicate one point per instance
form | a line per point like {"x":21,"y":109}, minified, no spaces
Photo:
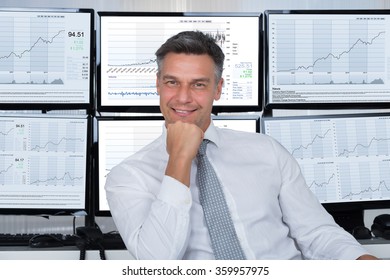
{"x":275,"y":214}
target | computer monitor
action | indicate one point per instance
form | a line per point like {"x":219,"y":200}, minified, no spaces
{"x":44,"y":164}
{"x":317,"y":59}
{"x":245,"y":122}
{"x":120,"y":137}
{"x":46,"y":58}
{"x":127,"y":43}
{"x":345,"y":159}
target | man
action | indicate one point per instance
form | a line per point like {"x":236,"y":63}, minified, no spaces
{"x":154,"y":196}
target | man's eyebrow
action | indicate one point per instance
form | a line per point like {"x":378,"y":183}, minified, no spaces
{"x":201,"y":80}
{"x":169,"y":77}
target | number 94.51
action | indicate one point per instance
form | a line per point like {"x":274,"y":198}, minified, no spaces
{"x":75,"y":34}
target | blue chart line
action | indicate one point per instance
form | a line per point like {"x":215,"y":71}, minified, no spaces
{"x":133,"y":94}
{"x":135,"y":64}
{"x":38,"y":148}
{"x":38,"y":63}
{"x":331,"y":55}
{"x":346,"y":152}
{"x":306,"y":147}
{"x":40,"y":39}
{"x":65,"y":177}
{"x":6,"y":133}
{"x":382,"y":186}
{"x":6,"y":170}
{"x":314,"y":184}
{"x":7,"y":140}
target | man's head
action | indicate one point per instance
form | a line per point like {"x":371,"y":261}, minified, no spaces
{"x":192,"y":42}
{"x":189,"y":77}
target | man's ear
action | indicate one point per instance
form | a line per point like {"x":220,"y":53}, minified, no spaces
{"x":219,"y":89}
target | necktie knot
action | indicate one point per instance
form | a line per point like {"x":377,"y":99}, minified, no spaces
{"x":203,"y":147}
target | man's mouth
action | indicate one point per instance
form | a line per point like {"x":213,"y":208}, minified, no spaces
{"x":183,"y":112}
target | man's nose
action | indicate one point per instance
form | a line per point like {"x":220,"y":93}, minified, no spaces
{"x":184,"y":94}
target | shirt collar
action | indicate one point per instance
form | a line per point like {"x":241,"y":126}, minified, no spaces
{"x":212,"y":134}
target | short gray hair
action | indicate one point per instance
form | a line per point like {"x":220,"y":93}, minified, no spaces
{"x":192,"y":42}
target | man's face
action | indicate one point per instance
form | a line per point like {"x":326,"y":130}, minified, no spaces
{"x":187,"y":88}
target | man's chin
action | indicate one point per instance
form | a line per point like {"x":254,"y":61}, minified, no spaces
{"x":183,"y":120}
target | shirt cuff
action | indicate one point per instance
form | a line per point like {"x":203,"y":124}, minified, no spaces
{"x":175,"y":193}
{"x":353,"y":254}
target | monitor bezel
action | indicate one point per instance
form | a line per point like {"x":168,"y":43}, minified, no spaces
{"x":316,"y":106}
{"x":156,"y":109}
{"x":84,"y":211}
{"x":92,"y":53}
{"x":348,"y":214}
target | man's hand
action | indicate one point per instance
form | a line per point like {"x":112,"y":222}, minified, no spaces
{"x":183,"y":141}
{"x":367,"y":257}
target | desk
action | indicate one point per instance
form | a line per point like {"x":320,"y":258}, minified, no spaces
{"x":62,"y":253}
{"x":379,"y":248}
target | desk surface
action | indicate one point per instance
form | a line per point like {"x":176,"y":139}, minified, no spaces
{"x":379,"y":248}
{"x":62,"y":253}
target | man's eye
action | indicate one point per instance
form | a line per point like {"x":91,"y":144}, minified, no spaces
{"x":170,"y":83}
{"x":199,"y":85}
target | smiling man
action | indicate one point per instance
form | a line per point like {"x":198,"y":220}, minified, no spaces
{"x":154,"y":196}
{"x":186,"y":100}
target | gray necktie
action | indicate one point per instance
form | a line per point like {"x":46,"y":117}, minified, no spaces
{"x":223,"y":236}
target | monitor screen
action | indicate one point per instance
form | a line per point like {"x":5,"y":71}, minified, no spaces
{"x":345,"y":159}
{"x":44,"y":164}
{"x":127,"y":64}
{"x":120,"y":137}
{"x":327,"y":59}
{"x":247,"y":123}
{"x":46,"y":58}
